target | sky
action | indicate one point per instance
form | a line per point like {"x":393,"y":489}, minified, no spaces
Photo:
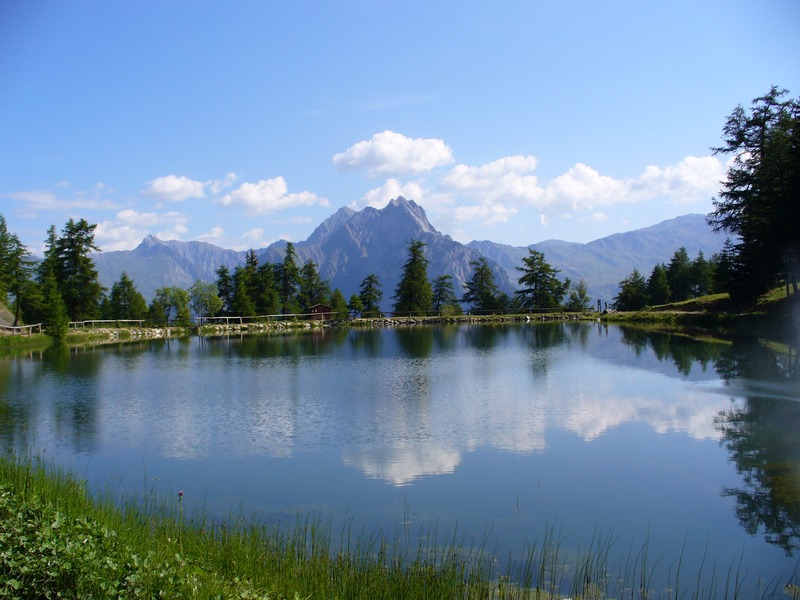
{"x":241,"y":123}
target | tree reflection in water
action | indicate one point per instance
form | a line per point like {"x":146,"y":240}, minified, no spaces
{"x":762,"y":435}
{"x":763,"y":438}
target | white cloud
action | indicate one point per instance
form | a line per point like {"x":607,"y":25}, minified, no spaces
{"x":494,"y":192}
{"x":270,"y":195}
{"x":129,"y":227}
{"x":391,"y":189}
{"x":495,"y":188}
{"x":175,"y":188}
{"x":582,"y":188}
{"x":691,"y":179}
{"x":214,"y":233}
{"x":390,"y":153}
{"x":253,"y":234}
{"x":216,"y":186}
{"x":487,"y":213}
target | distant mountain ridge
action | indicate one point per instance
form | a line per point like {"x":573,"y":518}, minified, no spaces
{"x":349,"y":245}
{"x":603,"y":263}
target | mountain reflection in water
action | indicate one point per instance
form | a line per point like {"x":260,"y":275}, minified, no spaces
{"x":568,"y":414}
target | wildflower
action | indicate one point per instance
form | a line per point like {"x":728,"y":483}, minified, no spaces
{"x":180,"y":495}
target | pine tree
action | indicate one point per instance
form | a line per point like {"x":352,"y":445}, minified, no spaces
{"x":540,"y":286}
{"x":339,"y":305}
{"x":225,"y":289}
{"x":658,"y":291}
{"x":125,"y":301}
{"x":444,"y":295}
{"x":312,"y":289}
{"x":370,"y":296}
{"x":288,"y":276}
{"x":632,"y":292}
{"x":758,"y":200}
{"x":67,"y":259}
{"x":481,"y":290}
{"x":414,"y":294}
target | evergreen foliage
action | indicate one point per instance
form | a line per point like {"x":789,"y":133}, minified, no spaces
{"x":758,"y":203}
{"x":225,"y":289}
{"x":125,"y":301}
{"x":414,"y":294}
{"x":74,"y":271}
{"x":658,"y":291}
{"x":339,"y":308}
{"x":540,"y":286}
{"x":632,"y":292}
{"x":444,"y":296}
{"x":16,"y":269}
{"x":355,"y":306}
{"x":312,"y":289}
{"x":369,"y":296}
{"x":288,"y":276}
{"x":481,"y":290}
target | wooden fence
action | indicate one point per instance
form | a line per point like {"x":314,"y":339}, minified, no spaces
{"x":23,"y":329}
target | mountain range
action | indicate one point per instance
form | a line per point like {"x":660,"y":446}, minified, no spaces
{"x":351,"y":244}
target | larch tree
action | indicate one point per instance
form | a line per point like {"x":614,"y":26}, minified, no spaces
{"x":540,"y":286}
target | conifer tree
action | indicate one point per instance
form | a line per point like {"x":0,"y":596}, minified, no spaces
{"x":540,"y":286}
{"x":758,"y":200}
{"x":413,"y":294}
{"x":370,"y":296}
{"x":481,"y":290}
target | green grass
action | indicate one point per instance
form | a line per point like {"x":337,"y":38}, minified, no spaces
{"x":15,"y":344}
{"x":58,"y":541}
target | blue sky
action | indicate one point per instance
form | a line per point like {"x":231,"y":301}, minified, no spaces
{"x":240,"y":123}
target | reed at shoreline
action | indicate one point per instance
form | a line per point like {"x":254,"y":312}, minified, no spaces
{"x":57,"y":539}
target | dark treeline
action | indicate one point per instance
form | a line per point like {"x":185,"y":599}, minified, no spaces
{"x":680,"y":279}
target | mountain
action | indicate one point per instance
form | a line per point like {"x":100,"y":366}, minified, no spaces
{"x":605,"y":262}
{"x":350,"y":245}
{"x":346,"y":248}
{"x":155,"y":263}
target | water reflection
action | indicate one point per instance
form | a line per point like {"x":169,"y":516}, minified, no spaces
{"x":409,"y":405}
{"x":763,"y":438}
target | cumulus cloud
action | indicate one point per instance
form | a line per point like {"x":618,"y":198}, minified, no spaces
{"x":129,"y":227}
{"x":390,"y":153}
{"x":495,"y":191}
{"x":270,"y":195}
{"x":692,"y":178}
{"x":391,"y":189}
{"x":175,"y":188}
{"x":582,"y":187}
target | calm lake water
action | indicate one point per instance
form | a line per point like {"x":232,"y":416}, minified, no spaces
{"x":497,"y":433}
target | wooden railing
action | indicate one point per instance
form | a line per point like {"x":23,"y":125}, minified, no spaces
{"x":101,"y":322}
{"x":23,"y":329}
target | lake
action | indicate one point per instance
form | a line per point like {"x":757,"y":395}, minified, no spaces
{"x":497,"y":434}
